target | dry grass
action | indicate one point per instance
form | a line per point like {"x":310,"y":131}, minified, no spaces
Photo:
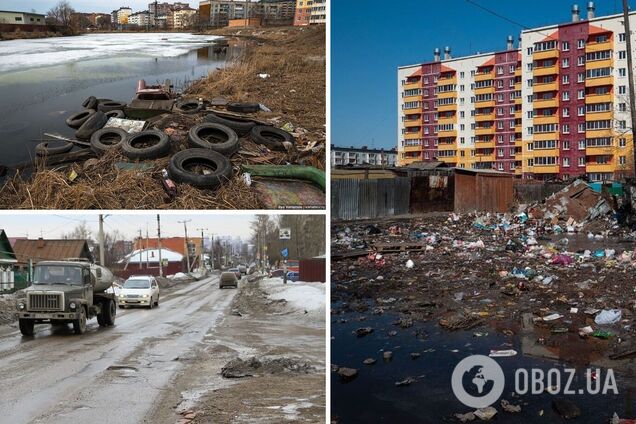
{"x":295,"y":92}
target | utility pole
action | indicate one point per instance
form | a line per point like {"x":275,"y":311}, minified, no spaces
{"x":101,"y":240}
{"x":147,"y":247}
{"x":630,"y":72}
{"x":202,"y":246}
{"x":212,"y":252}
{"x":187,"y":247}
{"x":141,"y":260}
{"x":159,"y":235}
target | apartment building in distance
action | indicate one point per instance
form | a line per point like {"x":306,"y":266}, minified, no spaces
{"x":555,"y":108}
{"x":318,"y":12}
{"x":342,"y":156}
{"x":120,"y":16}
{"x":219,"y":13}
{"x":302,"y":16}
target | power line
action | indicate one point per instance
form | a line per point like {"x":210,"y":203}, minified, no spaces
{"x":492,"y":12}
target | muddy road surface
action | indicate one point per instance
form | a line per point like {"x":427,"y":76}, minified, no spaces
{"x":112,"y":374}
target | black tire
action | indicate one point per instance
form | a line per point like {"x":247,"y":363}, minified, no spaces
{"x":188,"y":106}
{"x":218,"y":166}
{"x":115,"y":114}
{"x":92,"y":124}
{"x":271,"y":137}
{"x":216,"y":137}
{"x":108,"y":105}
{"x":242,"y":126}
{"x":111,"y":313}
{"x":79,"y":325}
{"x":77,"y":119}
{"x":134,"y":146}
{"x":107,"y":138}
{"x":90,"y":103}
{"x":243,"y":107}
{"x":100,"y":320}
{"x":26,"y":327}
{"x":45,"y":149}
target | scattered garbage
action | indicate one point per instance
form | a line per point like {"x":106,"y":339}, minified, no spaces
{"x":610,"y":316}
{"x":502,"y":353}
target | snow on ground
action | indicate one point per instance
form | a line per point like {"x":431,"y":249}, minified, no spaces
{"x":300,"y":296}
{"x":24,"y":54}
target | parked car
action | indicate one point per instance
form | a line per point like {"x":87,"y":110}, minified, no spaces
{"x":235,"y":271}
{"x":277,"y":273}
{"x":139,"y":290}
{"x":228,"y":279}
{"x":293,"y":276}
{"x":243,"y":269}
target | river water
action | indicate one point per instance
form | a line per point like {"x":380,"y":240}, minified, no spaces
{"x":44,"y":81}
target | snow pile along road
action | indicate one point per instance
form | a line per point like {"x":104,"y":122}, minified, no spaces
{"x":300,"y":296}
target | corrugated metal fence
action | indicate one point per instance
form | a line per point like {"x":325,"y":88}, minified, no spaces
{"x":355,"y":199}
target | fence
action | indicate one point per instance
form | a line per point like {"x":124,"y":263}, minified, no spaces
{"x":359,"y":199}
{"x":535,"y":191}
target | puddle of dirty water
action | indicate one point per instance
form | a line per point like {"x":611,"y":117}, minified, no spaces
{"x":373,"y":396}
{"x":34,"y":100}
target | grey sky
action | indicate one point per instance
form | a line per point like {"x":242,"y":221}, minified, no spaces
{"x":54,"y":225}
{"x":42,"y":6}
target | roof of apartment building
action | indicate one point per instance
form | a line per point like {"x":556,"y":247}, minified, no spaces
{"x":364,"y":149}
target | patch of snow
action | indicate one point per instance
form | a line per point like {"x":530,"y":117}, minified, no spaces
{"x":299,"y":295}
{"x":24,"y":54}
{"x":291,"y":410}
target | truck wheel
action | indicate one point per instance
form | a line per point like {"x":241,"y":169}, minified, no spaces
{"x":26,"y":327}
{"x":79,"y":325}
{"x":110,"y":312}
{"x":100,"y":319}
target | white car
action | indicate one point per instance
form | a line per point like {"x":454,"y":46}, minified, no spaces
{"x":139,"y":290}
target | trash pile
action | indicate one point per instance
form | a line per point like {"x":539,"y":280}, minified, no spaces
{"x":565,"y":265}
{"x":7,"y":309}
{"x":202,"y":143}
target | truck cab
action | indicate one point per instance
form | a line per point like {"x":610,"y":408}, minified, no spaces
{"x":65,"y":292}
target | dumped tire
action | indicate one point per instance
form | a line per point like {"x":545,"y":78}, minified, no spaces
{"x":115,"y":114}
{"x":200,"y":167}
{"x":216,"y":137}
{"x":95,"y":122}
{"x":109,"y":105}
{"x":45,"y":149}
{"x":188,"y":107}
{"x":90,"y":103}
{"x":149,"y":144}
{"x":243,"y":107}
{"x":242,"y":126}
{"x":77,"y":119}
{"x":106,"y":139}
{"x":271,"y":137}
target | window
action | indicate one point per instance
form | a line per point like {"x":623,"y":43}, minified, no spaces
{"x":566,"y":95}
{"x":545,"y":144}
{"x":18,"y":19}
{"x":529,"y":82}
{"x":580,"y":61}
{"x":565,"y":46}
{"x":529,"y":50}
{"x":580,"y":77}
{"x":566,"y":129}
{"x":622,"y":54}
{"x":622,"y":107}
{"x":565,"y":63}
{"x":500,"y":70}
{"x":545,"y":45}
{"x":500,"y":153}
{"x":580,"y":44}
{"x":601,"y":38}
{"x":621,"y":37}
{"x":598,"y":72}
{"x":512,"y":69}
{"x":545,"y":161}
{"x":622,"y":72}
{"x":500,"y":84}
{"x":581,"y":128}
{"x":622,"y":160}
{"x":565,"y":145}
{"x":500,"y":139}
{"x":581,"y":161}
{"x":598,"y":107}
{"x":600,"y":55}
{"x":530,"y":162}
{"x":565,"y":79}
{"x":599,"y":125}
{"x":599,"y":142}
{"x":622,"y":142}
{"x":622,"y":89}
{"x":582,"y":145}
{"x":622,"y":125}
{"x":566,"y":162}
{"x":581,"y":110}
{"x":500,"y":125}
{"x":461,"y":114}
{"x":581,"y":94}
{"x":565,"y":112}
{"x":461,"y":74}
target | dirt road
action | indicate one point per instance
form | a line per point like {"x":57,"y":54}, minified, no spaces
{"x":114,"y":374}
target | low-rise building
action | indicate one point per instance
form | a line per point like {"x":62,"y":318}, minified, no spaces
{"x":21,"y":18}
{"x":342,"y":156}
{"x":36,"y":250}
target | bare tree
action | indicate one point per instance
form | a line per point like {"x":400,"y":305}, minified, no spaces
{"x":60,"y":14}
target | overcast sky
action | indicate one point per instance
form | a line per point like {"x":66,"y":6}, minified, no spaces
{"x":42,"y":6}
{"x":54,"y":225}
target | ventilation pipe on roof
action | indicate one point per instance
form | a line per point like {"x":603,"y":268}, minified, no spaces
{"x":575,"y":13}
{"x":447,"y":53}
{"x":590,"y":10}
{"x":436,"y":54}
{"x":511,"y":42}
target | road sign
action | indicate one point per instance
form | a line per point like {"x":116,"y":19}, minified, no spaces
{"x":284,"y":253}
{"x":284,"y":233}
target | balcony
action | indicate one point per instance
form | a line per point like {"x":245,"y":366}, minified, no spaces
{"x":485,"y":117}
{"x":541,"y":104}
{"x":449,"y":160}
{"x":550,"y":86}
{"x":545,"y":70}
{"x":547,"y":54}
{"x":413,"y":123}
{"x":485,"y":144}
{"x":484,"y":103}
{"x":552,"y":119}
{"x":598,"y":98}
{"x":450,"y":133}
{"x":598,"y":133}
{"x":447,"y":108}
{"x":412,"y":148}
{"x":412,"y":111}
{"x":413,"y":135}
{"x":415,"y":98}
{"x":599,"y":116}
{"x":484,"y":131}
{"x":599,"y":82}
{"x":485,"y":90}
{"x":412,"y":85}
{"x":545,"y":136}
{"x":484,"y":157}
{"x":408,"y":160}
{"x":598,"y":47}
{"x":545,"y":169}
{"x":485,"y":77}
{"x":444,"y":81}
{"x":599,"y":167}
{"x":447,"y":95}
{"x":599,"y":150}
{"x":595,"y":64}
{"x":449,"y":120}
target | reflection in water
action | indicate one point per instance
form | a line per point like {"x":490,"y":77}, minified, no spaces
{"x":36,"y":100}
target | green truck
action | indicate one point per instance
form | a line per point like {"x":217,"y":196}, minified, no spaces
{"x":65,"y":292}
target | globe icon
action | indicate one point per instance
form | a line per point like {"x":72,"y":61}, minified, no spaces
{"x":478,"y":381}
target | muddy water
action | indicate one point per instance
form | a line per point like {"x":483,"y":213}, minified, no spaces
{"x":37,"y":97}
{"x":373,"y":396}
